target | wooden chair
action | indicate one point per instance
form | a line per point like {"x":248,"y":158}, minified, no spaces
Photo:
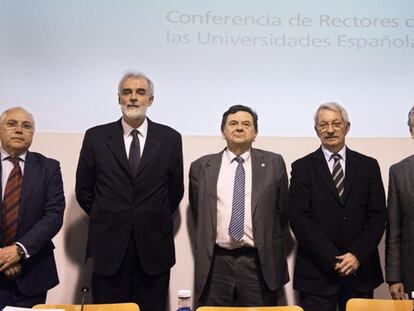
{"x":279,"y":308}
{"x":91,"y":307}
{"x":359,"y":304}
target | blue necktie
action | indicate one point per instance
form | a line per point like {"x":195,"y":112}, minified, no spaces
{"x":236,"y":228}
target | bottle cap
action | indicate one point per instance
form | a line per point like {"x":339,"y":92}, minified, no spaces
{"x":184,"y":293}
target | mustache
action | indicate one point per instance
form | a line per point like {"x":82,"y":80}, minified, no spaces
{"x":132,"y":105}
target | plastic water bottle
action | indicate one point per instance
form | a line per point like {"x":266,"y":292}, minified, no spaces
{"x":184,"y":297}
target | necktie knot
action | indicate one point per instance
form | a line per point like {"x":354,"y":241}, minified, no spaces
{"x":134,"y":133}
{"x":336,"y":157}
{"x":14,"y":160}
{"x":239,"y":160}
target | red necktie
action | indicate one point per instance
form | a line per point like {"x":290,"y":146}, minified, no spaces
{"x":11,"y":203}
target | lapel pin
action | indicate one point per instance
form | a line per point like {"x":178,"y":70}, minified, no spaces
{"x":263,"y":165}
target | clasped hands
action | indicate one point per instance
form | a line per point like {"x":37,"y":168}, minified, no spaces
{"x":346,"y":265}
{"x":9,"y":262}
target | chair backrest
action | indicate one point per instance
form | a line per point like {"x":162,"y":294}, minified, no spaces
{"x":91,"y":307}
{"x":359,"y":304}
{"x":278,"y":308}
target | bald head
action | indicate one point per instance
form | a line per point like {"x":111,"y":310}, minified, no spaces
{"x":16,"y":130}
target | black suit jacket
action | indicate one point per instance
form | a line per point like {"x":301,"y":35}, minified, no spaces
{"x":324,"y":227}
{"x":120,"y":204}
{"x":40,"y":218}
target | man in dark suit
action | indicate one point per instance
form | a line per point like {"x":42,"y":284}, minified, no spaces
{"x":129,"y":181}
{"x":338,"y":215}
{"x":31,"y":208}
{"x":239,"y":263}
{"x":399,"y":263}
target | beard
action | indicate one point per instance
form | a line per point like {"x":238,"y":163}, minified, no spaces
{"x":132,"y":111}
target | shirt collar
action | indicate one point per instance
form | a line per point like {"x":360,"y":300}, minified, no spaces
{"x":142,"y":129}
{"x":4,"y":155}
{"x":328,"y":153}
{"x":230,"y":155}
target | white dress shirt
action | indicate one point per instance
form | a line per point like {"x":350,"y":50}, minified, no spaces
{"x":330,"y":161}
{"x":225,"y":186}
{"x":6,"y":168}
{"x":142,"y":135}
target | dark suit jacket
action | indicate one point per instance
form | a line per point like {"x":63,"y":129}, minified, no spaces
{"x":41,"y":216}
{"x":325,"y":228}
{"x":400,"y":232}
{"x":120,"y":204}
{"x":269,"y":195}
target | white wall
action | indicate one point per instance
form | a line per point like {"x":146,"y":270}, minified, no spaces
{"x":70,"y":242}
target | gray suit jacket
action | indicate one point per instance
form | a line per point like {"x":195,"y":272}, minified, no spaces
{"x":269,"y":196}
{"x":400,"y":231}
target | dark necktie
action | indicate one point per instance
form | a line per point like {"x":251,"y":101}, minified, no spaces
{"x":11,"y":202}
{"x":236,"y":227}
{"x":134,"y":152}
{"x":338,"y":174}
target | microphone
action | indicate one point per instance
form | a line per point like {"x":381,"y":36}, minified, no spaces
{"x":84,"y":291}
{"x":90,"y":262}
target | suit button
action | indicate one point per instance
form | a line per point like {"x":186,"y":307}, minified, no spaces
{"x":345,"y":218}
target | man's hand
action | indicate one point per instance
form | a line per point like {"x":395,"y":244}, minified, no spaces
{"x":13,"y":271}
{"x":8,"y":257}
{"x":347,"y":264}
{"x":397,"y":291}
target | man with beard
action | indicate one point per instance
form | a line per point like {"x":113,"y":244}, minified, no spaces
{"x":129,"y":181}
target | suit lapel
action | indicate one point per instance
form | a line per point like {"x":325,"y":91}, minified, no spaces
{"x":31,"y":171}
{"x":350,"y":169}
{"x":151,"y":148}
{"x":323,"y":170}
{"x":115,"y":142}
{"x":212,"y":170}
{"x":258,"y":177}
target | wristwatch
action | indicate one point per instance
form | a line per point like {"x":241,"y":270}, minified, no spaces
{"x":20,"y":251}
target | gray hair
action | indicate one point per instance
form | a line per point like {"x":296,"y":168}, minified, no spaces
{"x":136,"y":75}
{"x":333,"y":107}
{"x":410,"y":121}
{"x":3,"y":116}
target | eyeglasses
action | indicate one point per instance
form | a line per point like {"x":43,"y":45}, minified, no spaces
{"x":336,"y":125}
{"x":13,"y":124}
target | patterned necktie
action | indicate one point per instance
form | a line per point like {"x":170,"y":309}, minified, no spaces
{"x":134,"y":152}
{"x":338,"y":174}
{"x":11,"y":202}
{"x":236,"y":228}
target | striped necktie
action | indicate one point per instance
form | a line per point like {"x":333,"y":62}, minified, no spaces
{"x":236,"y":227}
{"x":338,"y":174}
{"x":11,"y":202}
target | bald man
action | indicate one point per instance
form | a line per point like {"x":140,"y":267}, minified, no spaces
{"x":31,"y":215}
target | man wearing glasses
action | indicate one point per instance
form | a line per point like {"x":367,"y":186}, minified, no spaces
{"x":338,"y":215}
{"x":31,"y":214}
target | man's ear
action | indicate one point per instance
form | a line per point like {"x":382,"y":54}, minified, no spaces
{"x":151,"y":100}
{"x":348,"y":127}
